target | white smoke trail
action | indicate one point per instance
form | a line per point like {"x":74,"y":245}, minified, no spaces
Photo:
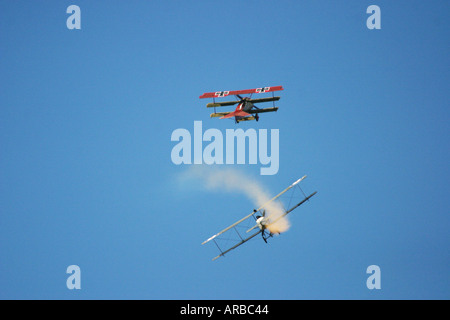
{"x":232,"y":180}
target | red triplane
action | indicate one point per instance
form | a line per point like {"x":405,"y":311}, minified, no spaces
{"x":246,"y":109}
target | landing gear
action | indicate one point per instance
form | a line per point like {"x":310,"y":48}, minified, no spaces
{"x":266,"y":236}
{"x":263,"y":236}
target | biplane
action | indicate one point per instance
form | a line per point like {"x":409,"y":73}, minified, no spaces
{"x":246,"y":109}
{"x":260,"y":219}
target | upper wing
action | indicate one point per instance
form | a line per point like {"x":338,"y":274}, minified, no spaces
{"x":248,"y":216}
{"x":291,"y":209}
{"x":219,"y":94}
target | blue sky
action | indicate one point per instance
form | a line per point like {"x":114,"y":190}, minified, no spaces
{"x":87,"y":178}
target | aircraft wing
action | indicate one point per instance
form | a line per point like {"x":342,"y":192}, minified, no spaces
{"x":264,"y":99}
{"x":264,"y":110}
{"x":219,"y":94}
{"x":221,"y":104}
{"x":222,"y":253}
{"x":291,"y":209}
{"x":253,"y":212}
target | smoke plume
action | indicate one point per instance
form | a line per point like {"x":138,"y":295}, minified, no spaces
{"x":234,"y":181}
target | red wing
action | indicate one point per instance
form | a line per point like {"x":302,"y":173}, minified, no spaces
{"x":219,"y":94}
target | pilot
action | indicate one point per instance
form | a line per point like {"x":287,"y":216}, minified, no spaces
{"x":260,"y":222}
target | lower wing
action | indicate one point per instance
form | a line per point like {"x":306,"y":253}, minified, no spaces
{"x":222,"y":253}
